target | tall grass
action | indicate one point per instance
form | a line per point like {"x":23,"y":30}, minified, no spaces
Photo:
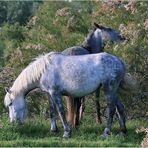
{"x":36,"y":132}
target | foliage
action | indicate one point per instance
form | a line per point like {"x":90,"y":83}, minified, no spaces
{"x":3,"y":11}
{"x":28,"y":29}
{"x":58,"y":25}
{"x":145,"y":140}
{"x":17,"y":11}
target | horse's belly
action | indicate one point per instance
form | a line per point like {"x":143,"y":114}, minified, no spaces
{"x":81,"y":79}
{"x":82,"y":89}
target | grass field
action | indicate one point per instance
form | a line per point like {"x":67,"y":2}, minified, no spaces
{"x":36,"y":133}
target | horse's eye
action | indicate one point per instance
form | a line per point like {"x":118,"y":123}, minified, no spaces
{"x":10,"y":103}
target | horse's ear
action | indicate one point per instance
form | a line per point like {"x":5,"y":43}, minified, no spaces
{"x":98,"y":26}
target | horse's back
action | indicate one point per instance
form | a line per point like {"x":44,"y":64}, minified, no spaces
{"x":108,"y":60}
{"x":102,"y":65}
{"x":105,"y":60}
{"x":75,"y":50}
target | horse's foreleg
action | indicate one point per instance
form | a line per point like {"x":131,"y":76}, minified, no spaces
{"x":98,"y":106}
{"x":110,"y":91}
{"x":59,"y":104}
{"x":70,"y":111}
{"x":122,"y":116}
{"x":53,"y":127}
{"x":110,"y":114}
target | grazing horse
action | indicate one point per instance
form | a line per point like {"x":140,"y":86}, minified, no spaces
{"x":93,"y":43}
{"x":74,"y":76}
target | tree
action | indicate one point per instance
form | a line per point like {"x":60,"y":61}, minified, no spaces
{"x":3,"y":11}
{"x":17,"y":11}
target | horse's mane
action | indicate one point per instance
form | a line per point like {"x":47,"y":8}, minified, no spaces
{"x":31,"y":73}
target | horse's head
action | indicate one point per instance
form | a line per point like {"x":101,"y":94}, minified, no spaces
{"x":109,"y":33}
{"x":95,"y":40}
{"x":16,"y":105}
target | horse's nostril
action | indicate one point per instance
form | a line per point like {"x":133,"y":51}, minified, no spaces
{"x":123,"y":38}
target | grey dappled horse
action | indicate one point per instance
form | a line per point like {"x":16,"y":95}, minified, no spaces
{"x":93,"y":43}
{"x":74,"y":76}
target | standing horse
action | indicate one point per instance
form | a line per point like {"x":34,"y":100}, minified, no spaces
{"x":94,"y":43}
{"x":74,"y":76}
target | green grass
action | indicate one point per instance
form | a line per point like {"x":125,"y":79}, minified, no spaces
{"x":36,"y":132}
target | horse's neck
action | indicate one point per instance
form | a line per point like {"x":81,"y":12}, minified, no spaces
{"x":86,"y":46}
{"x":30,"y":88}
{"x":93,"y":43}
{"x":30,"y":76}
{"x":95,"y":47}
{"x":24,"y":90}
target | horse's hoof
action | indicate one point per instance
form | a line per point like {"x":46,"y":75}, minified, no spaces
{"x":67,"y":134}
{"x":54,"y":130}
{"x":105,"y":135}
{"x":121,"y":134}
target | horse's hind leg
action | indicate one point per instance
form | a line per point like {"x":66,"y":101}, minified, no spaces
{"x":53,"y":127}
{"x":79,"y":104}
{"x":59,"y":104}
{"x":122,"y":117}
{"x":70,"y":110}
{"x":98,"y":108}
{"x":110,"y":114}
{"x":110,"y":94}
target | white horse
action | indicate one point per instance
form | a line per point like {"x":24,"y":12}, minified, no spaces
{"x":74,"y":76}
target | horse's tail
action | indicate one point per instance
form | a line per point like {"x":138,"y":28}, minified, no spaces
{"x":129,"y":82}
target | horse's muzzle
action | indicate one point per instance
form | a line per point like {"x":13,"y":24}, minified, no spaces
{"x":17,"y":121}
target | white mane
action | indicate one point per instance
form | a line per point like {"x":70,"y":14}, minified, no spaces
{"x":31,"y":73}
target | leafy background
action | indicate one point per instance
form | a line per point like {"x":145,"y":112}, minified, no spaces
{"x":30,"y":28}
